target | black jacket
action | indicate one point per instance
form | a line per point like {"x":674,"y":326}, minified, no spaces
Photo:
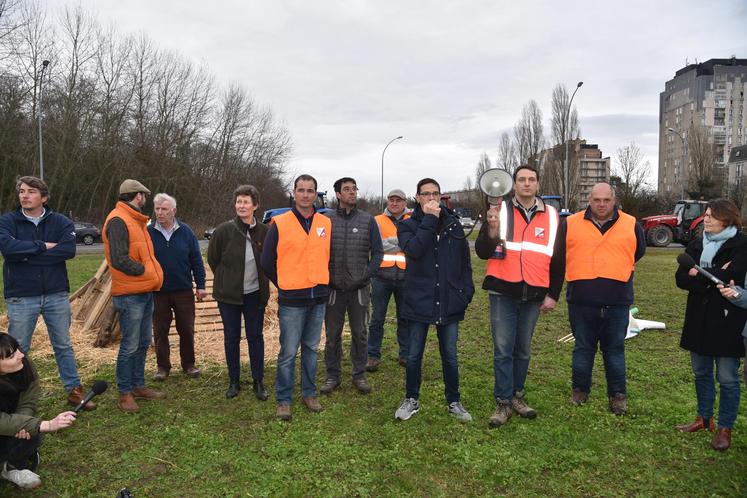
{"x":713,"y":325}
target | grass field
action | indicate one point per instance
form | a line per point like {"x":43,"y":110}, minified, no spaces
{"x":198,"y":444}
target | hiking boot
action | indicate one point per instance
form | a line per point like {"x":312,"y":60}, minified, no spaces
{"x":234,"y":386}
{"x":147,"y":393}
{"x":501,"y":415}
{"x":722,"y":439}
{"x":259,"y":390}
{"x":192,"y":371}
{"x":283,"y":412}
{"x":24,"y":478}
{"x":619,"y":404}
{"x":402,"y":361}
{"x":362,"y":385}
{"x":373,"y":364}
{"x":329,"y":385}
{"x":699,"y":424}
{"x":457,"y":411}
{"x":579,"y":397}
{"x":520,"y":406}
{"x":161,"y":374}
{"x":127,"y":403}
{"x":408,"y":408}
{"x":312,"y":403}
{"x":75,"y":396}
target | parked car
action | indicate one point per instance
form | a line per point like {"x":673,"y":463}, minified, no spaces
{"x":208,"y":233}
{"x":86,"y":233}
{"x":467,"y":222}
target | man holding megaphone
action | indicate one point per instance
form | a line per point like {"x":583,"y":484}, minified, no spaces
{"x":524,"y":275}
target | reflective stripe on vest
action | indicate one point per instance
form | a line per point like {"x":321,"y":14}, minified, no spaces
{"x":303,"y":259}
{"x":529,"y":249}
{"x":590,"y":255}
{"x":389,"y":229}
{"x":140,"y":250}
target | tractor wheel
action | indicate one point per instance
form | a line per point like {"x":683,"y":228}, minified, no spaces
{"x":660,"y":236}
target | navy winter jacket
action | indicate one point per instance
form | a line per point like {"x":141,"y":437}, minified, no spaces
{"x":30,"y":269}
{"x":438,"y":278}
{"x":179,"y":257}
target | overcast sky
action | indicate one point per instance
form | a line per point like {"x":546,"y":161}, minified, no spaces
{"x":348,"y":76}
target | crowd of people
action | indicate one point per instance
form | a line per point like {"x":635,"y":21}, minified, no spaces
{"x":348,"y":263}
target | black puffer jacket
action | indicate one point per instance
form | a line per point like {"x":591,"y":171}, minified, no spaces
{"x":713,"y":325}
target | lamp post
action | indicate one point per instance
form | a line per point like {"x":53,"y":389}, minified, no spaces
{"x":685,"y":148}
{"x":383,"y":201}
{"x":45,"y":63}
{"x":566,"y":166}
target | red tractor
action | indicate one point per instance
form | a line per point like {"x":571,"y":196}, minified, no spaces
{"x":683,"y":225}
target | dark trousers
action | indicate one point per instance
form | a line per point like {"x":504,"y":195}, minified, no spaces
{"x":254,"y":317}
{"x":447,"y":345}
{"x":18,"y":451}
{"x":355,"y":304}
{"x":182,"y":304}
{"x":381,"y":293}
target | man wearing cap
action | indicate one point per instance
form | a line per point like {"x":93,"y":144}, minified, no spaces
{"x":136,"y":274}
{"x":389,"y":279}
{"x":35,"y":242}
{"x":355,"y":256}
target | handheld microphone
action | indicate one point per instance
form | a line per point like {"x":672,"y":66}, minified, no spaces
{"x":687,"y":261}
{"x":97,"y":388}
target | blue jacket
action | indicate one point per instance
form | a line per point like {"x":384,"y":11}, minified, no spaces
{"x":438,"y":278}
{"x":30,"y":269}
{"x":179,"y":257}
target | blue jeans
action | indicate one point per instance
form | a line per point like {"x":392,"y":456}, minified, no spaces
{"x":381,"y":293}
{"x":447,"y":345}
{"x":254,"y":318}
{"x":512,"y":324}
{"x":298,"y":326}
{"x":23,"y":313}
{"x":136,"y":324}
{"x":606,"y":326}
{"x":727,"y":371}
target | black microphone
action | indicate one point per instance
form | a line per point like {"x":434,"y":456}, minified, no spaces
{"x":687,"y":261}
{"x":97,"y":388}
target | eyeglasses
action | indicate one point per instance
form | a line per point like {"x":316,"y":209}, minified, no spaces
{"x":349,"y":189}
{"x":430,"y":194}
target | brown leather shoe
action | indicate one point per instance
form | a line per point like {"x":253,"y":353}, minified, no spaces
{"x":697,"y":425}
{"x":402,"y":361}
{"x":619,"y":404}
{"x":283,"y":412}
{"x":75,"y":396}
{"x":372,"y":364}
{"x":362,"y":385}
{"x":161,"y":375}
{"x":312,"y":403}
{"x":722,"y":439}
{"x":147,"y":393}
{"x":579,"y":397}
{"x":127,"y":403}
{"x":192,"y":371}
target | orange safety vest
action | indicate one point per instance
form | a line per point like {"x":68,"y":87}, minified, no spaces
{"x":529,"y":248}
{"x":303,"y":258}
{"x":140,"y":250}
{"x":590,"y":255}
{"x":389,"y":229}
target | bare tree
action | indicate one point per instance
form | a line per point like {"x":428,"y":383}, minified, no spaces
{"x":564,"y":127}
{"x":633,"y":173}
{"x":506,"y":153}
{"x":703,"y":181}
{"x":482,"y":166}
{"x":528,"y":133}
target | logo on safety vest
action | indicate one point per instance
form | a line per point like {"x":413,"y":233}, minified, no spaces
{"x":539,"y":232}
{"x":355,"y":230}
{"x":321,"y":232}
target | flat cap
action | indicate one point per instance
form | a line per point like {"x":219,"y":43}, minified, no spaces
{"x":396,"y":193}
{"x":130,"y":186}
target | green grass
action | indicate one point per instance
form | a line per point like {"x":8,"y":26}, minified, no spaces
{"x":197,"y":443}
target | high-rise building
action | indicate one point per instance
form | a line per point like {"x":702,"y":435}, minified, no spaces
{"x":702,"y":109}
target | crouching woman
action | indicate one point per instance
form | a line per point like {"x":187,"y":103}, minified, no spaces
{"x":20,"y":429}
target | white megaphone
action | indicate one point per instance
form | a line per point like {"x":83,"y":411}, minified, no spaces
{"x":495,"y":183}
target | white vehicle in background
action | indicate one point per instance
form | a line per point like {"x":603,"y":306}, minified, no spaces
{"x":467,"y":222}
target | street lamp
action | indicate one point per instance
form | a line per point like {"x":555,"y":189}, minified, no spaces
{"x":566,"y":166}
{"x":383,"y":201}
{"x":685,"y":147}
{"x":45,"y":63}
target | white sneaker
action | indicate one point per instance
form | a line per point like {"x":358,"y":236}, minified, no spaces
{"x":408,"y":408}
{"x":24,"y":479}
{"x":457,"y":411}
